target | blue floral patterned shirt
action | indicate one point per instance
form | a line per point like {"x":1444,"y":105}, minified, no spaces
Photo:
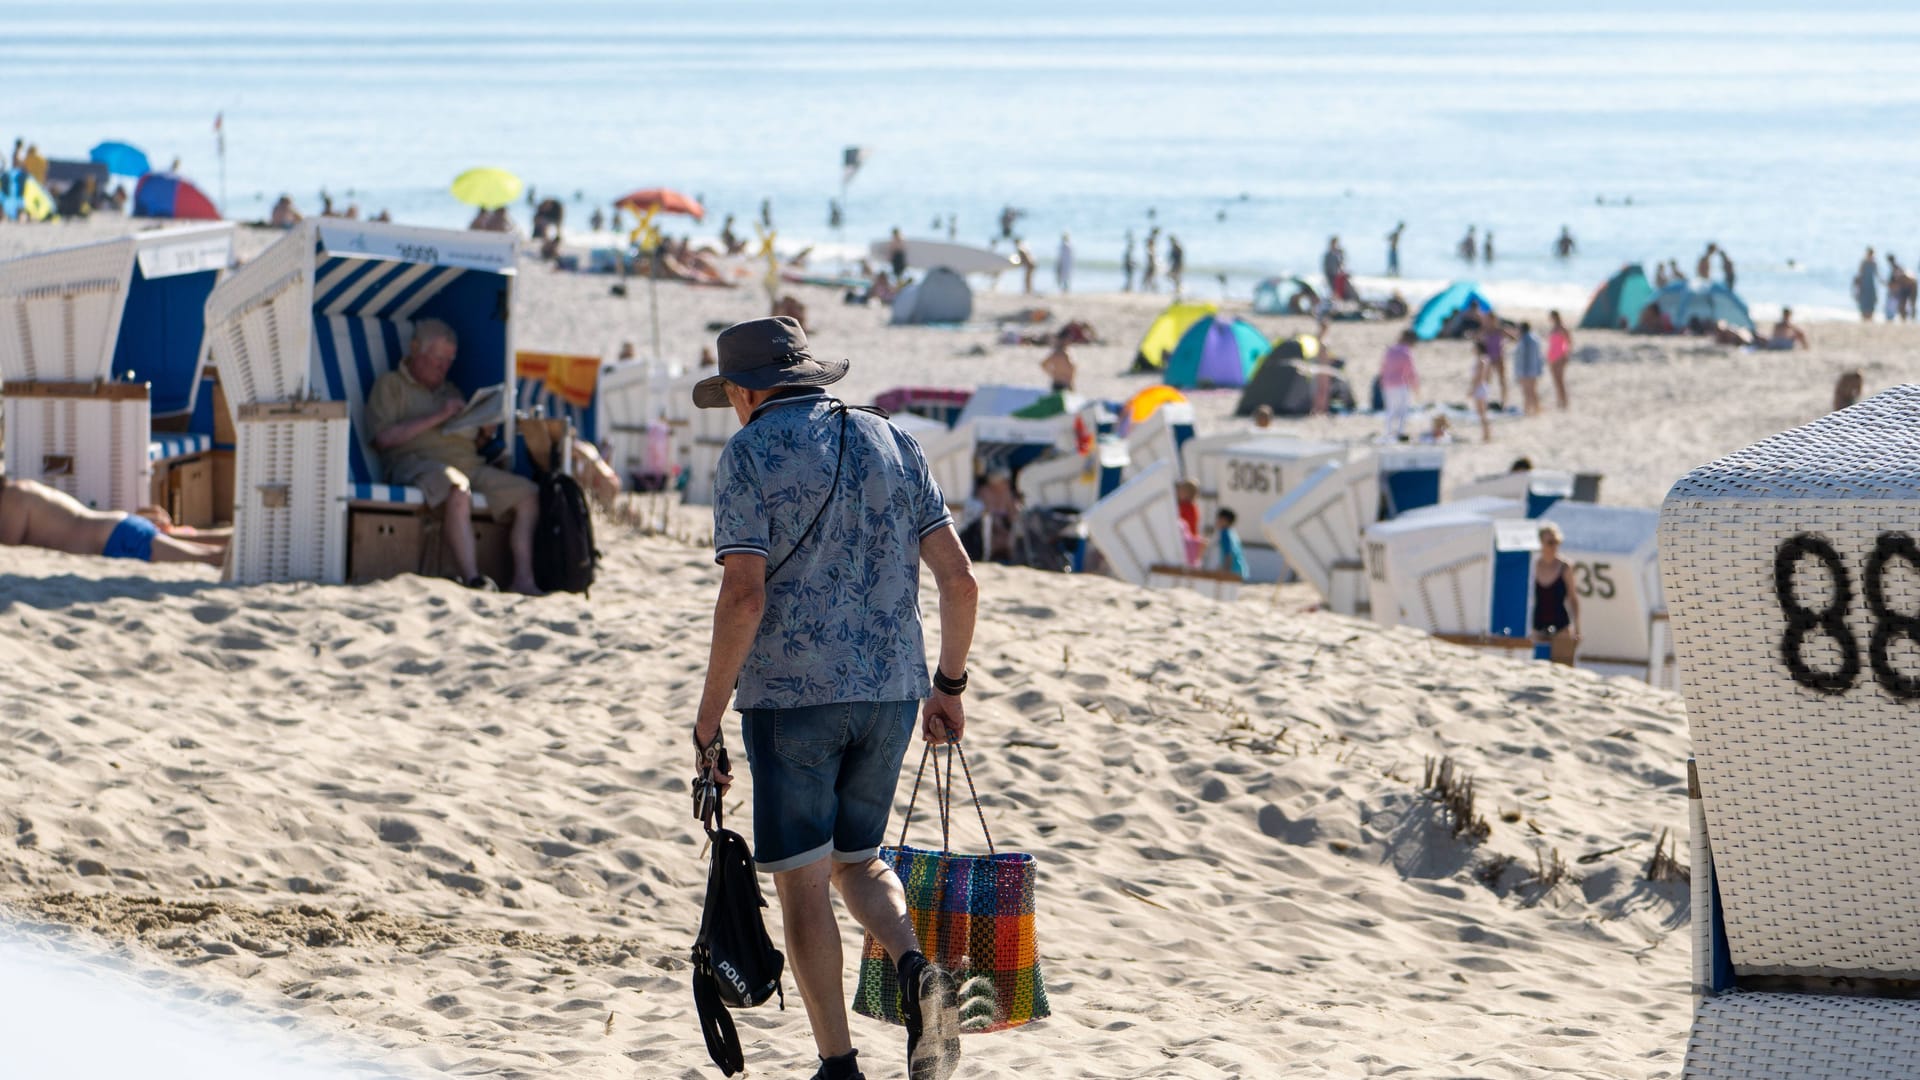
{"x":842,"y":618}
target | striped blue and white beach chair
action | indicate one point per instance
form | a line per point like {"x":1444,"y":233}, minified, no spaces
{"x":100,"y":347}
{"x":1792,"y":577}
{"x":320,"y":316}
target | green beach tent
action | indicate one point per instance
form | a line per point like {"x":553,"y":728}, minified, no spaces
{"x":1617,"y":304}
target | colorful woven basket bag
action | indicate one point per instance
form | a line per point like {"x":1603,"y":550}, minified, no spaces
{"x":973,"y":915}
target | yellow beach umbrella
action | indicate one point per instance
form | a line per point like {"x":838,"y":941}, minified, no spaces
{"x":487,"y":188}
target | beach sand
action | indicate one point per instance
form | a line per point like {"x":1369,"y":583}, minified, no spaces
{"x":451,"y":829}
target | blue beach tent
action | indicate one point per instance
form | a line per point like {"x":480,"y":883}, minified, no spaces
{"x":1684,"y":304}
{"x":1435,"y":314}
{"x":1617,"y":304}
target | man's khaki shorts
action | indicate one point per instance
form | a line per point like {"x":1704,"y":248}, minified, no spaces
{"x":503,"y":490}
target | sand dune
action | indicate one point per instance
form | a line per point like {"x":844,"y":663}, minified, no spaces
{"x":454,"y":825}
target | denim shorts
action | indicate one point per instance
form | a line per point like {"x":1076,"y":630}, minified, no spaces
{"x":823,"y":779}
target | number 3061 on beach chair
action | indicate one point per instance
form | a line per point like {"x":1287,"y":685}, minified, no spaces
{"x":1792,"y":575}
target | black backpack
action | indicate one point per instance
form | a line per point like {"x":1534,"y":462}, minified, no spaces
{"x":734,"y":962}
{"x":564,"y":558}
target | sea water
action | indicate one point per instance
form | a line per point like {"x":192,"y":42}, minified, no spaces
{"x":1252,"y":130}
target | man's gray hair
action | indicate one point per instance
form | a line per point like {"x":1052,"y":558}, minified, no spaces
{"x":427,"y":331}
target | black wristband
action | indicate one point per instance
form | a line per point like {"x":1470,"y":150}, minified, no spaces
{"x":947,"y":686}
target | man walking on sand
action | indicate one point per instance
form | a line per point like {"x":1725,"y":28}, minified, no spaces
{"x":822,"y":516}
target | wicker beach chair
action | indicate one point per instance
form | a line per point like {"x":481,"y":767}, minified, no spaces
{"x":1793,"y":585}
{"x":100,"y":350}
{"x":1319,"y":528}
{"x":300,"y":334}
{"x":1159,"y":437}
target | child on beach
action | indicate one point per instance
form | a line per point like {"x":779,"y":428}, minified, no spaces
{"x":1529,"y":363}
{"x":1482,"y":370}
{"x":1227,"y":554}
{"x":1184,"y":495}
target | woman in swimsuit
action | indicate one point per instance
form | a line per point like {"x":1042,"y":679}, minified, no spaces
{"x":1556,"y":608}
{"x":1559,"y":348}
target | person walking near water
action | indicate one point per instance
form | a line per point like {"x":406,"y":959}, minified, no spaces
{"x":1024,"y":257}
{"x":1126,"y":264}
{"x":1333,"y":264}
{"x":897,"y":254}
{"x":1399,"y":382}
{"x":1866,"y":286}
{"x":1063,"y":264}
{"x":1470,"y":244}
{"x":827,"y":667}
{"x":1559,"y":349}
{"x":1486,"y":250}
{"x":1149,"y":278}
{"x":1393,"y":249}
{"x":1176,"y":263}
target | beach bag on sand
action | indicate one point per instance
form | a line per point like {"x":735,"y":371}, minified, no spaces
{"x":734,"y":962}
{"x":973,"y":915}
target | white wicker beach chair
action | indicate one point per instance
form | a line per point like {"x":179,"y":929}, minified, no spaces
{"x":1075,"y":481}
{"x":1459,"y":573}
{"x":1159,"y":437}
{"x":1793,"y":582}
{"x":319,"y":316}
{"x":1137,"y":529}
{"x":1319,"y":527}
{"x":97,"y":342}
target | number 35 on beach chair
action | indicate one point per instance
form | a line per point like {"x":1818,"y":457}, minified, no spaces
{"x":1792,"y":576}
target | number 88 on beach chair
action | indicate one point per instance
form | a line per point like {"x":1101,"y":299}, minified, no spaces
{"x":1792,"y":576}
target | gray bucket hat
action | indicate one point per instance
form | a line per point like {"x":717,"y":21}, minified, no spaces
{"x":764,"y":354}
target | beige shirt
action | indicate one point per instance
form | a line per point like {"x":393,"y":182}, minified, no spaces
{"x":396,"y":398}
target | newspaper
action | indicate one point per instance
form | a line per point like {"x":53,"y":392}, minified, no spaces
{"x":482,"y":410}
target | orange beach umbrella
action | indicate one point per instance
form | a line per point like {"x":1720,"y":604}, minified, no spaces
{"x":665,"y":200}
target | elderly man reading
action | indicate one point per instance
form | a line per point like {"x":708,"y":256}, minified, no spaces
{"x":406,"y":410}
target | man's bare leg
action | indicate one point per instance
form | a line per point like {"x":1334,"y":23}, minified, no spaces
{"x":813,"y":953}
{"x":457,"y":527}
{"x":876,"y":901}
{"x":520,"y":540}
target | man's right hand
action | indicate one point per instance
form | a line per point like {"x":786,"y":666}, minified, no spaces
{"x":448,"y":410}
{"x":943,"y":720}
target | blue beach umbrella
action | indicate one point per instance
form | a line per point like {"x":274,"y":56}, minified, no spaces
{"x":120,"y":159}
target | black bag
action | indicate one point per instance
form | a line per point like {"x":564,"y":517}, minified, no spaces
{"x":734,"y":962}
{"x":564,"y":558}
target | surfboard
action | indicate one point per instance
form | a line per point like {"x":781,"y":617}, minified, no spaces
{"x":960,"y":258}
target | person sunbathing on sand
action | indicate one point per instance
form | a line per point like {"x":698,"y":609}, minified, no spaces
{"x":35,"y":515}
{"x":1785,"y":334}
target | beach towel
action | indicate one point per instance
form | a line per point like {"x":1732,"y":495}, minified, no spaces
{"x":973,"y":914}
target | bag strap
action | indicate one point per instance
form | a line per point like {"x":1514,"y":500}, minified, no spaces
{"x":835,"y":405}
{"x":943,"y":795}
{"x":716,"y":1024}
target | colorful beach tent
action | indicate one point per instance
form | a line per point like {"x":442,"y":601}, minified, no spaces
{"x":1618,"y":303}
{"x":170,"y":195}
{"x":1215,"y":352}
{"x":1684,"y":304}
{"x":1437,"y":314}
{"x":940,"y":297}
{"x":1165,"y":333}
{"x":1284,"y":296}
{"x":21,"y":194}
{"x":1147,"y":402}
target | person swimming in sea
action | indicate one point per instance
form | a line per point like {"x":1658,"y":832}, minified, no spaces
{"x":35,"y":515}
